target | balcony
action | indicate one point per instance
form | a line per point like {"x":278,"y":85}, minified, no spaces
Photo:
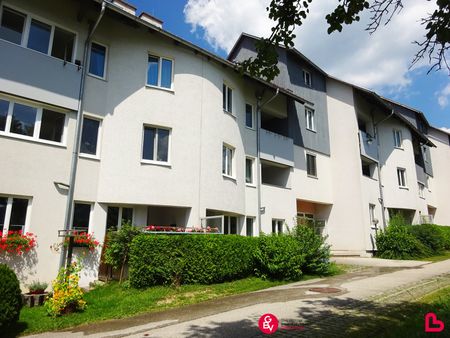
{"x":27,"y":73}
{"x":368,"y":146}
{"x":277,"y":148}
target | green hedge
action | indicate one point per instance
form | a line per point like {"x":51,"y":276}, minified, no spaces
{"x":430,"y":235}
{"x":445,"y":231}
{"x":10,"y":297}
{"x":189,"y":259}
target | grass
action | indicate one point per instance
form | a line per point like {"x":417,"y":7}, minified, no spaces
{"x":112,"y":300}
{"x":438,"y":258}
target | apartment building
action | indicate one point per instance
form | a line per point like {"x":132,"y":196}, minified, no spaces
{"x":174,"y":135}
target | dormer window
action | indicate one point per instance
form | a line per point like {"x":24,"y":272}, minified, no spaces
{"x":307,"y":78}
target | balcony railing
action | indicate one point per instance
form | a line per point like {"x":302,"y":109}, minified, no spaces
{"x":37,"y":76}
{"x":368,"y":146}
{"x":277,"y":148}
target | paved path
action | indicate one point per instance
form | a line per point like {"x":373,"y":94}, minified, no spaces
{"x":362,"y":261}
{"x":361,"y":294}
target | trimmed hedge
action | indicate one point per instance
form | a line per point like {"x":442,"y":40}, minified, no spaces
{"x":189,"y":259}
{"x":430,"y":235}
{"x":10,"y":296}
{"x":445,"y":231}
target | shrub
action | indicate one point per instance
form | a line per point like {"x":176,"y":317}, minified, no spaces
{"x":316,"y":252}
{"x":178,"y":259}
{"x":279,"y":257}
{"x":430,"y":235}
{"x":37,"y":287}
{"x":397,"y":242}
{"x":445,"y":231}
{"x":10,"y":296}
{"x":67,"y":295}
{"x":117,"y":246}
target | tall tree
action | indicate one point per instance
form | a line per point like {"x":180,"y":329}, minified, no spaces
{"x":289,"y":14}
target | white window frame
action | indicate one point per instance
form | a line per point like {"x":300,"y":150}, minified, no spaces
{"x":310,"y":112}
{"x":37,"y":123}
{"x":372,"y":214}
{"x":253,"y":160}
{"x":105,"y":66}
{"x":402,"y":178}
{"x":99,"y":137}
{"x":228,"y":225}
{"x":91,"y":214}
{"x":398,"y":137}
{"x":8,"y":211}
{"x":421,"y":188}
{"x":155,"y":146}
{"x":160,"y":58}
{"x":26,"y":31}
{"x":253,"y":116}
{"x":226,"y":159}
{"x":119,"y":218}
{"x":307,"y":79}
{"x":277,"y":222}
{"x":228,"y":109}
{"x":315,"y":163}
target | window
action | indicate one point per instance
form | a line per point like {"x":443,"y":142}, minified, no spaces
{"x":13,"y":213}
{"x":372,"y":215}
{"x":249,"y":169}
{"x":401,"y":176}
{"x":425,"y":153}
{"x":159,"y":72}
{"x":421,"y":190}
{"x":366,"y":170}
{"x":249,"y":226}
{"x":11,"y":27}
{"x":52,"y":126}
{"x":97,"y":60}
{"x":230,"y":225}
{"x":309,"y":116}
{"x":277,"y":226}
{"x":227,"y":160}
{"x":249,"y":116}
{"x":398,"y":138}
{"x":156,"y":144}
{"x":63,"y":44}
{"x":311,"y":165}
{"x":37,"y":35}
{"x":89,"y":136}
{"x":81,"y":216}
{"x":31,"y":122}
{"x":23,"y":119}
{"x":227,"y":98}
{"x":116,"y":216}
{"x":307,"y":78}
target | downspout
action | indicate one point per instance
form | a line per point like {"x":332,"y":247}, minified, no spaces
{"x":380,"y":184}
{"x":259,"y":106}
{"x":78,"y":128}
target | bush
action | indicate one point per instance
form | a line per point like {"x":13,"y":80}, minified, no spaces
{"x":10,"y":296}
{"x":445,"y":231}
{"x":180,"y":259}
{"x":279,"y":257}
{"x":431,"y":236}
{"x":314,"y":249}
{"x":67,"y":295}
{"x":397,"y":242}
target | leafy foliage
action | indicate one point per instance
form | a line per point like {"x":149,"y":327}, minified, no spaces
{"x":10,"y":297}
{"x":431,"y":236}
{"x":287,"y":14}
{"x":117,"y":247}
{"x":67,"y":295}
{"x":445,"y":231}
{"x":205,"y":259}
{"x":278,"y":257}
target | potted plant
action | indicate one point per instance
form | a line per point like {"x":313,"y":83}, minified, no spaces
{"x":36,"y":293}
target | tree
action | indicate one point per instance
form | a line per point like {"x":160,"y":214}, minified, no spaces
{"x":289,"y":14}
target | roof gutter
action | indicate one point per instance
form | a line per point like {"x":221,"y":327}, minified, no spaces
{"x":76,"y":147}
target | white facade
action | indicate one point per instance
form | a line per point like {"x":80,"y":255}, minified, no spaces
{"x":189,"y":184}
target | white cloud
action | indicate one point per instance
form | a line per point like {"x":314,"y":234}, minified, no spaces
{"x":444,"y":96}
{"x":377,"y":61}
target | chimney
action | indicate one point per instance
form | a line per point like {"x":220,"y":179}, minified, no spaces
{"x":125,"y":6}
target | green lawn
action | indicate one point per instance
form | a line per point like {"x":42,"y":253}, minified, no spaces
{"x":443,"y":257}
{"x":114,"y":301}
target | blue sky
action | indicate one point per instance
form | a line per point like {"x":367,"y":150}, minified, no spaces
{"x":215,"y":25}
